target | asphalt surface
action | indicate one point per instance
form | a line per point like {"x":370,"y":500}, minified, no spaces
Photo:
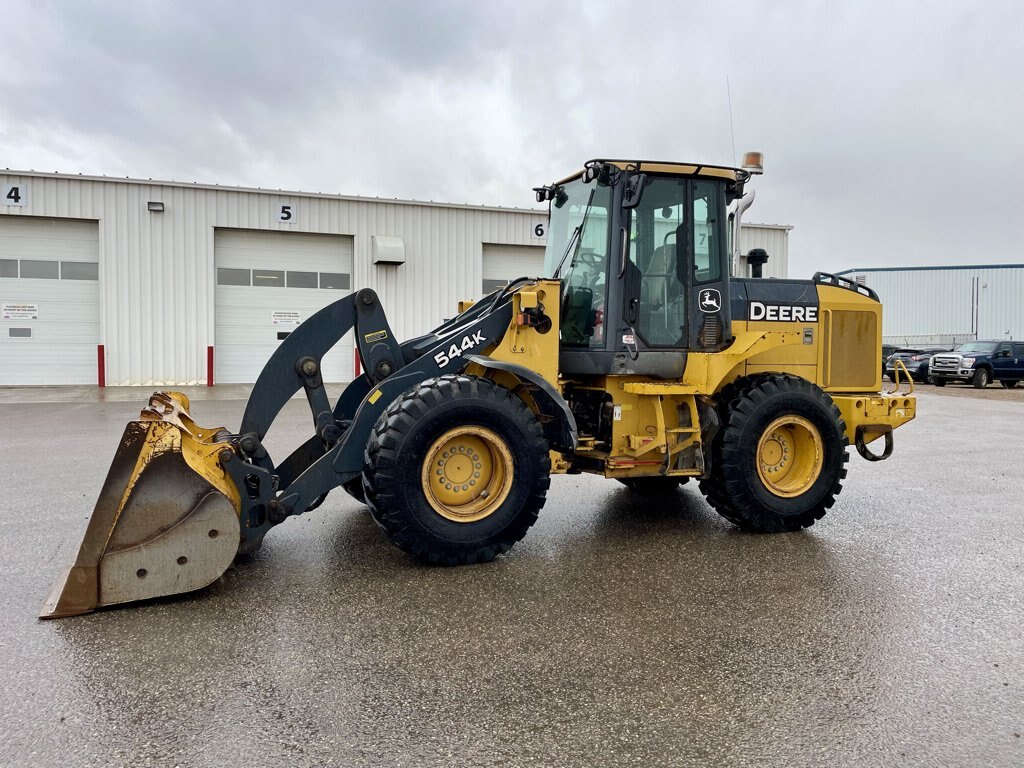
{"x":622,"y":631}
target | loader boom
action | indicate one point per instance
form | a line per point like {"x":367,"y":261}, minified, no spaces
{"x":337,"y":456}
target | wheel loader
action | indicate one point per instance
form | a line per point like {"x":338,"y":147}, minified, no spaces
{"x":639,"y":355}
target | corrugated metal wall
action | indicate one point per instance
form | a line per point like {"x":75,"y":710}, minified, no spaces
{"x":774,"y":238}
{"x":157,"y":269}
{"x":963,"y":302}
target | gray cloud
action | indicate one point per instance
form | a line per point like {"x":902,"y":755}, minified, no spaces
{"x":887,"y":127}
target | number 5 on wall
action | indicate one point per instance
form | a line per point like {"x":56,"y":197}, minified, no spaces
{"x":286,"y":213}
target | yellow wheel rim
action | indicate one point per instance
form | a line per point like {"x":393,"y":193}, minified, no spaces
{"x":790,"y":456}
{"x":467,"y":474}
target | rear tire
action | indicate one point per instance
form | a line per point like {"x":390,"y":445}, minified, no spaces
{"x":938,"y":382}
{"x":981,"y":378}
{"x":1009,"y":384}
{"x":780,"y":456}
{"x":457,"y":470}
{"x":653,"y":486}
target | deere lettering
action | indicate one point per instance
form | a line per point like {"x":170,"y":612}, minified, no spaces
{"x":785,"y":313}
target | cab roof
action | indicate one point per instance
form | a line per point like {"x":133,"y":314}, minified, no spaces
{"x":670,"y":168}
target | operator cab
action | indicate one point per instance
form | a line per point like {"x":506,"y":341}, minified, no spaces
{"x":642,"y":250}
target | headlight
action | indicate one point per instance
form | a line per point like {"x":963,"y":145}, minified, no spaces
{"x":967,"y":362}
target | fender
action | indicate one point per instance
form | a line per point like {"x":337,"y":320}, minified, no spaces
{"x":560,"y":428}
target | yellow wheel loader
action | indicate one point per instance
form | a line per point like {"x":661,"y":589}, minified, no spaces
{"x":638,"y":356}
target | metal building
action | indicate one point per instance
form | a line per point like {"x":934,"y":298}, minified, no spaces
{"x":947,"y":304}
{"x":774,"y":238}
{"x":125,"y":281}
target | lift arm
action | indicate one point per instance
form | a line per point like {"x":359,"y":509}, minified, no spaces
{"x":333,"y":456}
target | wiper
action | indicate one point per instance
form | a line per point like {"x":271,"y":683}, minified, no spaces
{"x":568,"y":249}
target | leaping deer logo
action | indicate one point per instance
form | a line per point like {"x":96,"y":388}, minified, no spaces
{"x":710,"y":300}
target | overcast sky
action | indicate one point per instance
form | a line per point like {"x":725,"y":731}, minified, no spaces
{"x":887,"y":127}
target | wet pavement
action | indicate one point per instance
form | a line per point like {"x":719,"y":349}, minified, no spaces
{"x":622,"y":631}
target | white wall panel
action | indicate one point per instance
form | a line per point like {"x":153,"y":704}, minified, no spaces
{"x":967,"y":302}
{"x":157,"y":273}
{"x":62,"y":345}
{"x":774,"y":238}
{"x":245,"y":334}
{"x":507,"y":262}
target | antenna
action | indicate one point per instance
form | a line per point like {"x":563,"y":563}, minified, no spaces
{"x":732,"y":130}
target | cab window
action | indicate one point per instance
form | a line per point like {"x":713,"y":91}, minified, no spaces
{"x":706,"y":231}
{"x":657,"y":247}
{"x":584,"y":275}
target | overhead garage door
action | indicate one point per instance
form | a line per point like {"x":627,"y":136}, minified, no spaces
{"x":266,"y":282}
{"x":507,"y":262}
{"x":50,"y":297}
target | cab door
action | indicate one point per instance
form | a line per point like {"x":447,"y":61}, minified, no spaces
{"x":1003,"y":363}
{"x":1018,"y":360}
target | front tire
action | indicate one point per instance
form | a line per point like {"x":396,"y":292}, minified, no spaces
{"x":938,"y":382}
{"x":780,"y":457}
{"x":981,"y":378}
{"x":457,"y":470}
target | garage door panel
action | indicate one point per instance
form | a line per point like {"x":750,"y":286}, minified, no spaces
{"x":66,"y":331}
{"x":246,"y":335}
{"x":507,"y":262}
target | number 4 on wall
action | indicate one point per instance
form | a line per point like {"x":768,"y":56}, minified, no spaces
{"x":14,"y":194}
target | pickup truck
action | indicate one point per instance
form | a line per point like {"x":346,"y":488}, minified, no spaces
{"x":917,"y":360}
{"x":980,"y":363}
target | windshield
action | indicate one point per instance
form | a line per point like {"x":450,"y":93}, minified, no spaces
{"x":577,"y":250}
{"x":569,"y":211}
{"x":977,"y":348}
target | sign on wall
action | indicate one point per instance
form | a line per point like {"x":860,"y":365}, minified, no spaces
{"x":285,"y":317}
{"x":20,"y":312}
{"x":287,"y":213}
{"x":14,"y":194}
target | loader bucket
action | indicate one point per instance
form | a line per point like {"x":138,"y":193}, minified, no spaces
{"x":166,"y":520}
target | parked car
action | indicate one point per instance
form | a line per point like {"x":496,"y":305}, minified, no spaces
{"x":915,"y":359}
{"x":981,"y":362}
{"x":887,"y":350}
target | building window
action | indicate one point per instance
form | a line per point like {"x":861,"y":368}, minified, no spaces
{"x":276,"y":278}
{"x":233,"y":277}
{"x":19,"y":333}
{"x":40,"y":270}
{"x":268,"y":278}
{"x":79,"y":270}
{"x":334,"y":280}
{"x":301,"y":279}
{"x":493,"y":285}
{"x":8,"y":267}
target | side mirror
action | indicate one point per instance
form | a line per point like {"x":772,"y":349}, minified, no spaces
{"x":634,"y":190}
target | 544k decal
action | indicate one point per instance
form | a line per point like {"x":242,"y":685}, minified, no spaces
{"x":455,"y":350}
